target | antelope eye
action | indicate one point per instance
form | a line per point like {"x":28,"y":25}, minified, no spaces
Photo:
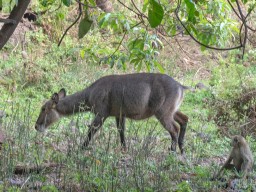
{"x":43,"y":109}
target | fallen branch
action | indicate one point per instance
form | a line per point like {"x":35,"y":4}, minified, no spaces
{"x":24,"y":169}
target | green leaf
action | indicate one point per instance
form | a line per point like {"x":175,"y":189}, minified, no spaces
{"x":136,"y":44}
{"x":46,"y":3}
{"x":92,"y":2}
{"x":197,"y":14}
{"x":66,"y":2}
{"x":191,"y":11}
{"x":139,"y":66}
{"x":84,"y":27}
{"x":135,"y":61}
{"x":60,"y":15}
{"x":159,"y":67}
{"x":155,"y":13}
{"x":82,"y":54}
{"x":105,"y":18}
{"x":145,"y":5}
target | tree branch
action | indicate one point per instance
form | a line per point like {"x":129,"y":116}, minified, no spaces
{"x":15,"y":15}
{"x":232,"y":7}
{"x":254,"y":30}
{"x":128,"y":7}
{"x":123,"y":39}
{"x":200,"y":43}
{"x":140,"y":13}
{"x":80,"y":14}
{"x":118,"y":45}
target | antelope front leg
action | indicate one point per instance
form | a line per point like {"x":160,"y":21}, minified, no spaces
{"x":93,"y":128}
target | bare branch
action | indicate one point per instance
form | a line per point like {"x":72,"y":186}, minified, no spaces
{"x":80,"y":14}
{"x":123,"y":39}
{"x":140,"y":13}
{"x":245,"y":26}
{"x":200,"y":43}
{"x":248,"y":14}
{"x":234,"y":10}
{"x":118,"y":45}
{"x":128,"y":7}
{"x":86,"y":5}
{"x":10,"y":21}
{"x":254,"y":30}
{"x":90,"y":6}
{"x":166,"y":34}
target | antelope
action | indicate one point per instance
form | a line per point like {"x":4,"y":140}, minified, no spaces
{"x":136,"y":96}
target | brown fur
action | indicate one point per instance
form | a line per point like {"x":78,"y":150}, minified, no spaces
{"x":241,"y":156}
{"x":135,"y":96}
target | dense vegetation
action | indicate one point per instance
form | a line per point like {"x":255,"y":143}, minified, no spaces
{"x":33,"y":67}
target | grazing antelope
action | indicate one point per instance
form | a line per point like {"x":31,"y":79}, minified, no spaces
{"x":135,"y":96}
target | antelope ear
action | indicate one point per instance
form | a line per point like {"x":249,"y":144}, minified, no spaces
{"x":62,"y":93}
{"x":55,"y":98}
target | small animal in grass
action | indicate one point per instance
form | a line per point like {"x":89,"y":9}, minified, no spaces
{"x":240,"y":155}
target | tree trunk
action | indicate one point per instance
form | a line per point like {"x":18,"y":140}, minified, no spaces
{"x":16,"y":15}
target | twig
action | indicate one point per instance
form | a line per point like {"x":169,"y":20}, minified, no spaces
{"x":25,"y":182}
{"x":170,"y":45}
{"x":90,"y":6}
{"x":140,"y":13}
{"x":232,"y":7}
{"x":118,"y":45}
{"x":86,"y":5}
{"x":80,"y":14}
{"x":244,"y":18}
{"x":128,"y":7}
{"x":240,"y":34}
{"x":239,"y":15}
{"x":186,"y":53}
{"x":60,"y":5}
{"x":165,"y":34}
{"x":15,"y":47}
{"x":245,"y":26}
{"x":122,"y":40}
{"x":200,"y":43}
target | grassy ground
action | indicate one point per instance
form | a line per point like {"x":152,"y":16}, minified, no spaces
{"x":148,"y":165}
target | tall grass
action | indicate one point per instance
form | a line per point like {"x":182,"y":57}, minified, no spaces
{"x":147,"y":165}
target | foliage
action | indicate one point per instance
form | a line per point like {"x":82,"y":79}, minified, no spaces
{"x":155,"y":13}
{"x":233,"y":96}
{"x":84,"y":27}
{"x":210,"y":22}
